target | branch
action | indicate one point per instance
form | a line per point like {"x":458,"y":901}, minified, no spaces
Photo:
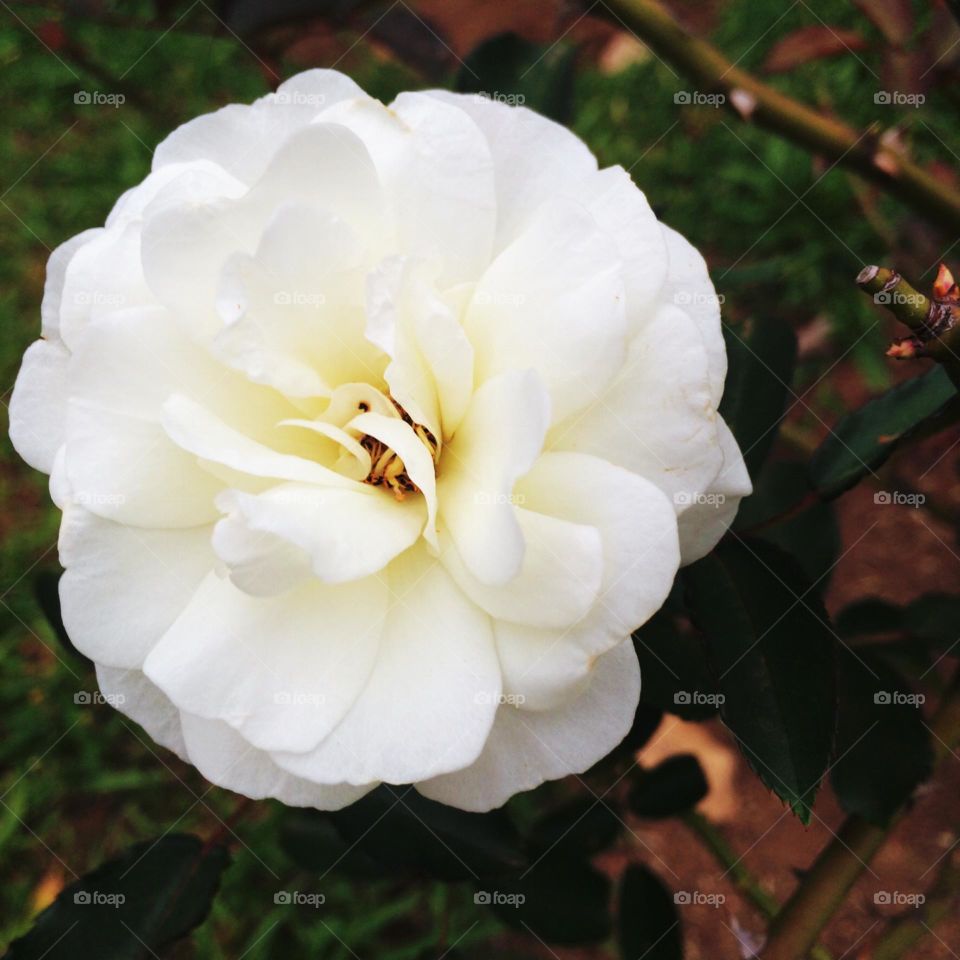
{"x":824,"y":888}
{"x":906,"y":930}
{"x":754,"y":100}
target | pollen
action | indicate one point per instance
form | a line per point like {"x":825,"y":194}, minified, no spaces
{"x":387,"y":469}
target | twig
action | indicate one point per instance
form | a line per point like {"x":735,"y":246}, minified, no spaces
{"x":753,"y":100}
{"x":826,"y":885}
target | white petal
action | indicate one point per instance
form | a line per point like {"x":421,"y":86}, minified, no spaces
{"x":497,"y":442}
{"x":281,"y":671}
{"x":194,"y":428}
{"x":526,"y":748}
{"x":622,"y":211}
{"x":127,"y":469}
{"x":293,"y":313}
{"x":534,"y":158}
{"x":229,"y":761}
{"x":38,"y":405}
{"x":56,"y":277}
{"x":638,"y":528}
{"x":136,"y":697}
{"x":417,"y":461}
{"x":706,"y":520}
{"x":658,"y":419}
{"x":348,"y":534}
{"x":103,"y":275}
{"x":553,"y":301}
{"x":689,"y":286}
{"x":437,"y":174}
{"x":558,"y":581}
{"x":123,"y":586}
{"x":431,"y":698}
{"x":242,"y":138}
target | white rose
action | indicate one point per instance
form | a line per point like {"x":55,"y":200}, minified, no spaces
{"x":376,"y":430}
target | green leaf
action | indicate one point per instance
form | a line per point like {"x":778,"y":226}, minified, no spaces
{"x":760,"y":371}
{"x":863,"y":440}
{"x":648,"y":924}
{"x":130,"y":908}
{"x":772,"y":649}
{"x":578,"y":829}
{"x":312,"y":841}
{"x":47,"y":592}
{"x":516,"y":71}
{"x":670,"y":788}
{"x":404,"y":830}
{"x":561,"y":901}
{"x":809,"y":533}
{"x":883,"y":747}
{"x":868,"y":616}
{"x":673,"y":664}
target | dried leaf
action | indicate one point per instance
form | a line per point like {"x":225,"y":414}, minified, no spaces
{"x":811,"y":43}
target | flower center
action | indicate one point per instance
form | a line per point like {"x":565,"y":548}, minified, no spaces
{"x":386,"y":467}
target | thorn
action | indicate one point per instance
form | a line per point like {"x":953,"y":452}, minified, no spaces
{"x":905,"y":348}
{"x":945,"y":287}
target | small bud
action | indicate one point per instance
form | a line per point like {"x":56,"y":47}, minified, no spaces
{"x":945,"y":287}
{"x":905,"y":348}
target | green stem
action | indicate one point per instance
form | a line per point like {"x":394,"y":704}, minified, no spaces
{"x":826,"y":885}
{"x":752,"y":100}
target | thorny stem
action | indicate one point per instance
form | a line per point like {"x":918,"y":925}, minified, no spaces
{"x":826,"y":885}
{"x":755,"y":101}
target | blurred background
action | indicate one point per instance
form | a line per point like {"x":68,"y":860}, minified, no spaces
{"x":88,"y":90}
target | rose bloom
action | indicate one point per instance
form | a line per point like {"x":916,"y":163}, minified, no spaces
{"x":376,"y":431}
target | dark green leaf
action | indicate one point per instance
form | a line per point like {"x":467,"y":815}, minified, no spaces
{"x":561,"y":901}
{"x":935,"y":618}
{"x":883,"y":746}
{"x":868,"y":616}
{"x":863,"y":440}
{"x":311,"y":840}
{"x":512,"y":69}
{"x":648,"y":925}
{"x":579,"y":829}
{"x":47,"y":591}
{"x":672,"y":787}
{"x":673,"y":664}
{"x":404,"y":830}
{"x":760,"y":371}
{"x":772,"y":649}
{"x":785,"y":510}
{"x":130,"y":908}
